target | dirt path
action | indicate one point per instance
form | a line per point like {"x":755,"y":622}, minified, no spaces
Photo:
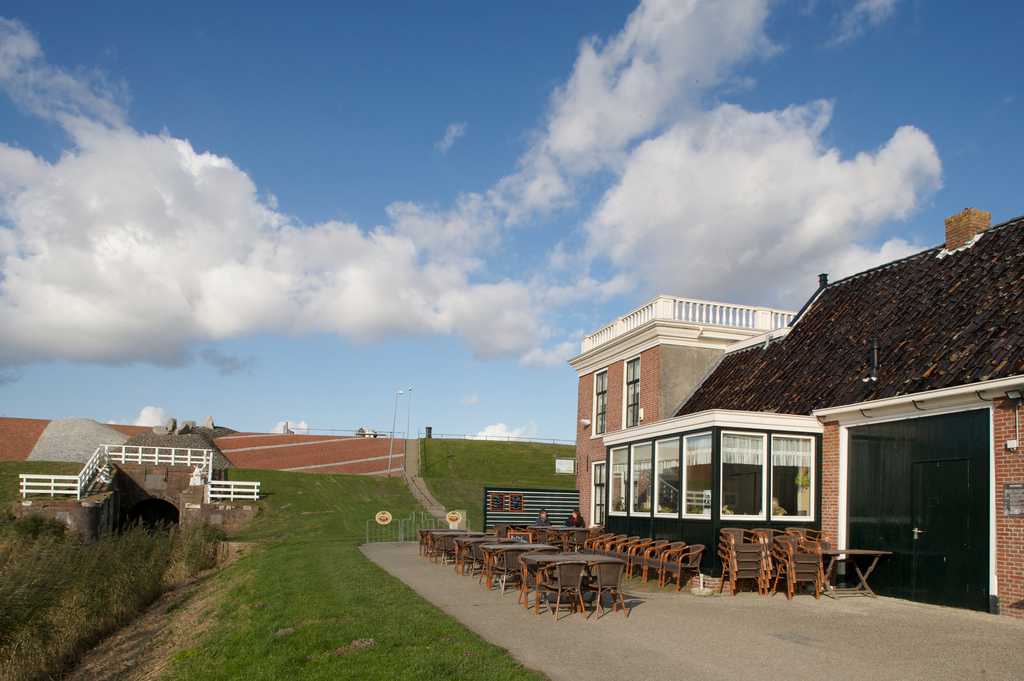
{"x":176,"y":621}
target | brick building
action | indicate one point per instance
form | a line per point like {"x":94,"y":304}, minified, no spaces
{"x":886,"y":414}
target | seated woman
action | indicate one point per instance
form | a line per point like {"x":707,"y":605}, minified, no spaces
{"x":575,"y":520}
{"x":542,"y":519}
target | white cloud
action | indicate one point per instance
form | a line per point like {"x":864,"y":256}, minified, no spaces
{"x":152,"y":416}
{"x":137,"y":247}
{"x":730,"y":201}
{"x":852,"y":23}
{"x":500,"y":431}
{"x":454,"y":132}
{"x":134,"y":247}
{"x":469,"y":399}
{"x":294,"y":426}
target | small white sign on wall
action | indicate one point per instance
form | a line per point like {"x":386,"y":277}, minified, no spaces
{"x":565,"y":466}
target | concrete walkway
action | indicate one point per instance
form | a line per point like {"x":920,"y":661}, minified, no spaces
{"x":417,"y":486}
{"x":682,"y":636}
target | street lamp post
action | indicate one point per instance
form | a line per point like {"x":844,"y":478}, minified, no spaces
{"x":393,"y":422}
{"x":408,"y":414}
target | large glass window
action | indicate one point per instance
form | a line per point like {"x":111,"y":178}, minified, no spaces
{"x":633,"y":392}
{"x":600,"y":401}
{"x":743,"y":475}
{"x":620,"y":474}
{"x":792,"y":464}
{"x":667,"y":471}
{"x":698,"y":474}
{"x":598,"y":481}
{"x":642,"y":489}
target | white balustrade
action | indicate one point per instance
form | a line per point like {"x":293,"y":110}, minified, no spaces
{"x":232,"y":490}
{"x":668,"y":308}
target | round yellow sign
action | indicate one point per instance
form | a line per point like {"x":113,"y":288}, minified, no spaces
{"x":454,"y":517}
{"x":383,"y":517}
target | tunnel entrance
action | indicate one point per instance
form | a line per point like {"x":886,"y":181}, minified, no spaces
{"x":153,"y":512}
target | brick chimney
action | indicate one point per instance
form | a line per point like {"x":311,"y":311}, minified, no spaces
{"x":962,"y":227}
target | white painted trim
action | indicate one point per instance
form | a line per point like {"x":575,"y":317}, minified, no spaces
{"x":717,"y":417}
{"x":916,"y":405}
{"x":764,"y":477}
{"x":993,"y":582}
{"x":843,"y":512}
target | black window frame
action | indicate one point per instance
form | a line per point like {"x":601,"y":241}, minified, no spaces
{"x":633,"y":393}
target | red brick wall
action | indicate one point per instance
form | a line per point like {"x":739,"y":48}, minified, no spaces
{"x":829,"y":484}
{"x":590,"y":449}
{"x":314,"y":454}
{"x":1009,"y":468}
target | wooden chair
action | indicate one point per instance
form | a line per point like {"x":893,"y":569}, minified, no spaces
{"x":681,"y":561}
{"x":528,"y":578}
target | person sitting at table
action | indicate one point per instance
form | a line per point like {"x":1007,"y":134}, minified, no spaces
{"x":542,"y":518}
{"x":575,"y":520}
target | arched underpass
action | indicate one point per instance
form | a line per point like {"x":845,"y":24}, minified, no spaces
{"x":153,"y":512}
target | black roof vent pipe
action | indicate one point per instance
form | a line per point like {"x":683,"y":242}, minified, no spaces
{"x":822,"y":285}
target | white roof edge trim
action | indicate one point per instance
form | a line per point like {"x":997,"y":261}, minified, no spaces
{"x":761,"y":339}
{"x":716,"y":417}
{"x":918,"y":401}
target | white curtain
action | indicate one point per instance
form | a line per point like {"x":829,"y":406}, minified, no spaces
{"x":743,"y":449}
{"x":698,"y":450}
{"x":791,"y":451}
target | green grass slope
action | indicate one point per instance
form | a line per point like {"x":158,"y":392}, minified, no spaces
{"x":456,"y":471}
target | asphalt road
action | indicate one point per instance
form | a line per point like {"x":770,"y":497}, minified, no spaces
{"x":672,"y":635}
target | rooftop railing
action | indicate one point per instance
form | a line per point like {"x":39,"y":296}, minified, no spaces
{"x":668,"y":308}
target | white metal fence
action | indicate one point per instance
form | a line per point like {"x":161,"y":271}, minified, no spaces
{"x":158,"y":456}
{"x":53,"y":485}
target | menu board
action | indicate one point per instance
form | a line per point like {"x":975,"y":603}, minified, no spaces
{"x":497,"y":502}
{"x":1013,"y":499}
{"x":515,"y":503}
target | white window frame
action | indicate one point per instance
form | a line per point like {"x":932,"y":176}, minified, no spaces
{"x":633,"y":480}
{"x":813,"y":475}
{"x":600,"y":427}
{"x":765,"y":500}
{"x":609,"y":480}
{"x":656,"y":475}
{"x":593,"y":492}
{"x":625,"y":392}
{"x":685,"y":484}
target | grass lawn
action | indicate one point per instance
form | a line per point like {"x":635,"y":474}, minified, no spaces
{"x":458,"y":470}
{"x":308,"y":575}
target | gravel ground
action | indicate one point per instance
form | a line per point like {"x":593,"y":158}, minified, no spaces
{"x":73,"y":440}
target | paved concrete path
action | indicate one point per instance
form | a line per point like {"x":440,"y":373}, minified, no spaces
{"x":418,"y":485}
{"x":682,"y":636}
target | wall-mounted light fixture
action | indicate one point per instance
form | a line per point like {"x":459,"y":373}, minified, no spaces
{"x":585,"y":422}
{"x":1016,"y":396}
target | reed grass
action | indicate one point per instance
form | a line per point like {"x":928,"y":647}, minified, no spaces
{"x":59,"y":594}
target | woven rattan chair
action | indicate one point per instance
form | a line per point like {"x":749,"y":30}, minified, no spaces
{"x":608,"y":581}
{"x":798,"y":561}
{"x":651,"y":560}
{"x":635,"y":555}
{"x":744,"y":557}
{"x":564,"y":579}
{"x":681,"y":562}
{"x":528,"y":578}
{"x":511,"y":568}
{"x":579,"y":539}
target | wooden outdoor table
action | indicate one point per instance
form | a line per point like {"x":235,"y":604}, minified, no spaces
{"x":464,"y":543}
{"x":850,"y":556}
{"x":491,"y":550}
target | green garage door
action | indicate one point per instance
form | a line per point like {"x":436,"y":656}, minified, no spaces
{"x":919,"y":488}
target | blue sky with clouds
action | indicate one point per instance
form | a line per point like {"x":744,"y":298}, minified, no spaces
{"x":266,"y":211}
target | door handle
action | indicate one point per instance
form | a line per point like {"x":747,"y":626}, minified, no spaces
{"x":917,"y":532}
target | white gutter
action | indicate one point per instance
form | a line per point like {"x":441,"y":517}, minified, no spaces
{"x":916,"y":403}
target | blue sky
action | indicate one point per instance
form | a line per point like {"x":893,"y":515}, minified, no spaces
{"x":288,"y":211}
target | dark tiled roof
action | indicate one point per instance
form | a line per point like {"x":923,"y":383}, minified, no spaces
{"x":940,"y":322}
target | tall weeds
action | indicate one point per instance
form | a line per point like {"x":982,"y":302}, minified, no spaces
{"x":59,"y":595}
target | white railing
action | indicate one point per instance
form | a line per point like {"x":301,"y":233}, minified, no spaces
{"x":158,"y":456}
{"x":668,"y":308}
{"x":231,"y":490}
{"x":50,"y":484}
